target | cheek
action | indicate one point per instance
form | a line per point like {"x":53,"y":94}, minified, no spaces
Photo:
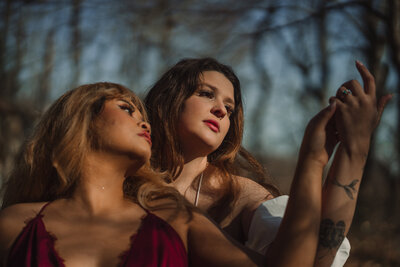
{"x":226,"y":126}
{"x":196,"y":105}
{"x":183,"y":125}
{"x":108,"y":118}
{"x":187,"y":116}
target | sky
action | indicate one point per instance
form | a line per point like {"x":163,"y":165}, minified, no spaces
{"x":110,"y":46}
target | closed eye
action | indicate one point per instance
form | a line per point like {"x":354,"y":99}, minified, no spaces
{"x":128,"y":109}
{"x":206,"y":93}
{"x":229,"y":109}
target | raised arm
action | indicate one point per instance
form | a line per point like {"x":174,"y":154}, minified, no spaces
{"x":356,"y":117}
{"x":298,"y":231}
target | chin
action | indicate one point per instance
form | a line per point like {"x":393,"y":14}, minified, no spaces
{"x":140,"y":157}
{"x":145,"y":157}
{"x":211,"y":141}
{"x":209,"y":145}
{"x":202,"y":142}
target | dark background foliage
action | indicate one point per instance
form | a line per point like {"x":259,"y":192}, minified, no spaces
{"x":290,"y":56}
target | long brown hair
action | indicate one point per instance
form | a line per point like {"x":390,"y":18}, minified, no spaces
{"x":51,"y":161}
{"x":164,"y":103}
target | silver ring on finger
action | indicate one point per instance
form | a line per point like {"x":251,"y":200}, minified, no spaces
{"x":346,"y":91}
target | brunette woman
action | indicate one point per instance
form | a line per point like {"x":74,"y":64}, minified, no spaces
{"x":70,"y":200}
{"x":198,"y":110}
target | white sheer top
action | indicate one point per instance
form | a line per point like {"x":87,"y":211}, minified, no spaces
{"x":265,"y":223}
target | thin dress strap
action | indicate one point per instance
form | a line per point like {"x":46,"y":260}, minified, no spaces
{"x":43,"y":207}
{"x":196,"y":200}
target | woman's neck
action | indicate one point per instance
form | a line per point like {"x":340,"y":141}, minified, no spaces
{"x":190,"y":171}
{"x":100,"y":189}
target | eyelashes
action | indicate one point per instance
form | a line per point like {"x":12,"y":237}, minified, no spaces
{"x":229,"y":109}
{"x":211,"y":95}
{"x":208,"y":94}
{"x":132,"y":110}
{"x":127,"y":108}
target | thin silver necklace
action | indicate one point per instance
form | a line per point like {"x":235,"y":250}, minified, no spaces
{"x":196,"y":200}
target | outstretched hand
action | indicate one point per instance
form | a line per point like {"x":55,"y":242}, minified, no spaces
{"x":351,"y":118}
{"x":358,"y":112}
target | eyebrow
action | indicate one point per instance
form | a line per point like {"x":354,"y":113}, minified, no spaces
{"x":132,"y":106}
{"x":226,"y":99}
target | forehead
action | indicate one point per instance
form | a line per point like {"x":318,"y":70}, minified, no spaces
{"x":218,"y":81}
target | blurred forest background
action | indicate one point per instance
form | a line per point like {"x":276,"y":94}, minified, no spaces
{"x":289,"y":55}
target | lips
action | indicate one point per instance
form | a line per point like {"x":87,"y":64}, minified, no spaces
{"x":146,"y":136}
{"x":213,"y":125}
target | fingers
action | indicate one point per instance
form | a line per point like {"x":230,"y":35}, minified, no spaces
{"x":323,"y":117}
{"x":332,"y":136}
{"x":354,"y":86}
{"x":368,"y":79}
{"x":383,"y":101}
{"x":351,"y":89}
{"x":382,"y":104}
{"x":338,"y":101}
{"x":345,"y":95}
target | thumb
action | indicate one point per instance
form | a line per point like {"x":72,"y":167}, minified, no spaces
{"x":323,"y":117}
{"x":381,"y":105}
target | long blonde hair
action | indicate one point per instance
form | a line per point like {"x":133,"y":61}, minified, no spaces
{"x":50,"y":163}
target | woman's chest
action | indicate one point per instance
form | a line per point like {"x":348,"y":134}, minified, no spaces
{"x":92,"y":244}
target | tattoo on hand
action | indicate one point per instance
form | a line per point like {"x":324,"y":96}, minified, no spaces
{"x":331,"y":235}
{"x":349,"y":189}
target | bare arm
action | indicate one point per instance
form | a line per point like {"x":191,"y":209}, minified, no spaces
{"x":356,"y":117}
{"x":298,"y":232}
{"x":208,"y":246}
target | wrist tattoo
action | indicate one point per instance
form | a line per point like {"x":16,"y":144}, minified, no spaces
{"x":331,"y":235}
{"x":349,"y":189}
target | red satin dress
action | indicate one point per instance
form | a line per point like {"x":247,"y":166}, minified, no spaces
{"x":155,"y":244}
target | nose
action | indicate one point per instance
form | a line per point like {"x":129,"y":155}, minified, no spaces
{"x":219,"y":110}
{"x":146,"y":126}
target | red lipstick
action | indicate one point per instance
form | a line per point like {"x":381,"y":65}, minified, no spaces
{"x":213,"y":125}
{"x":147,"y":136}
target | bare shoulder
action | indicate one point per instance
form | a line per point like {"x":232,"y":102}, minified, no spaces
{"x":251,"y":196}
{"x":177,"y":217}
{"x":22,"y":210}
{"x":12,"y":221}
